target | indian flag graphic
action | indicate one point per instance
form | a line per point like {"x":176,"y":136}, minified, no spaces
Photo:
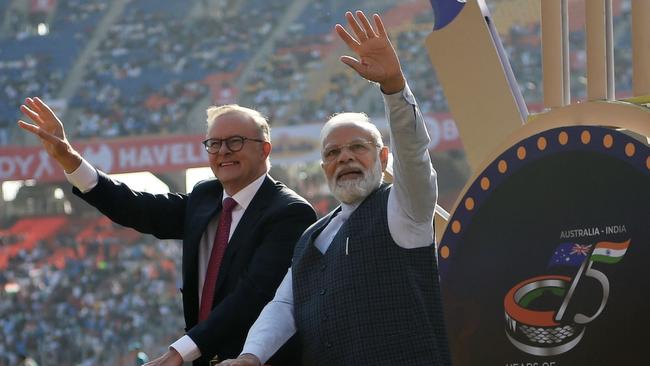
{"x":609,"y":252}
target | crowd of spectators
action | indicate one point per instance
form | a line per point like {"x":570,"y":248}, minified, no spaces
{"x":523,"y":45}
{"x":96,"y":309}
{"x":152,"y":67}
{"x":7,"y":239}
{"x":622,"y":50}
{"x":417,"y":67}
{"x":112,"y":115}
{"x":295,"y":84}
{"x":280,"y":86}
{"x":28,"y":75}
{"x":34,"y":61}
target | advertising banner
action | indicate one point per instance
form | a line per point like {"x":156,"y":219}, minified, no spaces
{"x":291,"y":145}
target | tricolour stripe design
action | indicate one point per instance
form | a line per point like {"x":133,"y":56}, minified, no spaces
{"x":609,"y":252}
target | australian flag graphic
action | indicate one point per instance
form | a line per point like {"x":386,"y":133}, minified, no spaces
{"x":569,"y":254}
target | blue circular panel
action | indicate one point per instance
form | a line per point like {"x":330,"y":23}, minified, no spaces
{"x":544,"y":261}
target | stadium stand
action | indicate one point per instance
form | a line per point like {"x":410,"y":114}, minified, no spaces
{"x":76,"y":282}
{"x":36,"y":64}
{"x":110,"y":295}
{"x":153,"y":66}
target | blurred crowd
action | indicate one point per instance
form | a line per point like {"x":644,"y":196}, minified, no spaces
{"x":152,"y":67}
{"x":95,"y":310}
{"x":35,"y":57}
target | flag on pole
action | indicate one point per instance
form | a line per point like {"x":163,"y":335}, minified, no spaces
{"x":609,"y":252}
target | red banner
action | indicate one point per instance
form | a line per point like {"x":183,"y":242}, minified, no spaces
{"x":291,"y":145}
{"x":156,"y":155}
{"x":443,"y":132}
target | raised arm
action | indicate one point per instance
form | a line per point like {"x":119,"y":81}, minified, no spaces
{"x":414,"y":194}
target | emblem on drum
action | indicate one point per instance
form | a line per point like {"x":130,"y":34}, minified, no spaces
{"x":532,"y":324}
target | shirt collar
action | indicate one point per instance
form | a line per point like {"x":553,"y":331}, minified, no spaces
{"x":347,"y":209}
{"x":245,"y":195}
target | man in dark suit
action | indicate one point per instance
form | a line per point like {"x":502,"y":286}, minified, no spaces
{"x":238,"y":230}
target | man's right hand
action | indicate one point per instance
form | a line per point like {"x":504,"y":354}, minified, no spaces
{"x":49,"y":130}
{"x":246,"y":359}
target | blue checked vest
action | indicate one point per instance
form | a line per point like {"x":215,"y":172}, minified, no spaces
{"x":367,"y":301}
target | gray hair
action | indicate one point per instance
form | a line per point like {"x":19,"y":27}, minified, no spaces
{"x":214,"y":112}
{"x":349,"y":119}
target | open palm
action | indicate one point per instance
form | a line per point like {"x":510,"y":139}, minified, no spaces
{"x":377,"y":60}
{"x":49,"y":130}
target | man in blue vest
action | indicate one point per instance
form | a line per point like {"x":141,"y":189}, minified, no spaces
{"x":363,"y":287}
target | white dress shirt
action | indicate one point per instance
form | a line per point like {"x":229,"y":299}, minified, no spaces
{"x":85,"y":178}
{"x":411,"y":204}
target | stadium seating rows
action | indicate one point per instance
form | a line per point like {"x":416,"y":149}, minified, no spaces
{"x":147,"y":74}
{"x":90,"y":293}
{"x":174,"y":55}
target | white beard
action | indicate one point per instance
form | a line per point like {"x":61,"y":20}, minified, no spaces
{"x":355,"y":190}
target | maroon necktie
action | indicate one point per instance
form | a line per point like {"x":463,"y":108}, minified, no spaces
{"x":218,"y":249}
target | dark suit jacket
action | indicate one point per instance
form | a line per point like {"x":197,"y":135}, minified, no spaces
{"x":256,"y":259}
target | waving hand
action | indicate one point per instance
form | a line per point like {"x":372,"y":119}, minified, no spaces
{"x":49,"y":129}
{"x":376,"y":58}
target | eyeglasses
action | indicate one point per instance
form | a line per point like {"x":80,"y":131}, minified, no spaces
{"x":357,"y":148}
{"x":233,"y":143}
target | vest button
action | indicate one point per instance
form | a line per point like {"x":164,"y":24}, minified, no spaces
{"x":323,"y":267}
{"x":323,"y":291}
{"x":324,"y":318}
{"x":328,"y":345}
